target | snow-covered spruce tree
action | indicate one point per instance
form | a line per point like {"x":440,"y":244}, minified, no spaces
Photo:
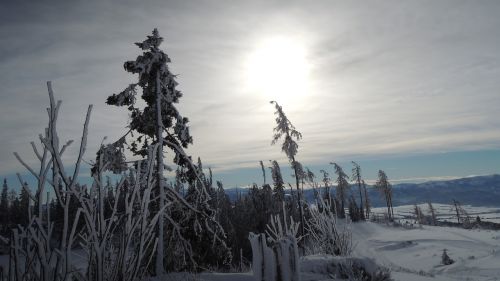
{"x":279,"y":186}
{"x":385,"y":188}
{"x":419,"y":216}
{"x":356,"y":177}
{"x":326,"y":182}
{"x":263,"y":171}
{"x":224,"y":211}
{"x":205,"y":249}
{"x":159,"y":122}
{"x":432,"y":212}
{"x":462,"y":215}
{"x":4,"y":208}
{"x":24,"y":203}
{"x":159,"y":116}
{"x":367,"y":200}
{"x":354,"y":211}
{"x":342,"y":187}
{"x":445,"y":259}
{"x":285,"y":128}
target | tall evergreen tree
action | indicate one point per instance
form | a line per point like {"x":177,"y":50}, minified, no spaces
{"x":285,"y":128}
{"x":342,"y":186}
{"x":14,"y":209}
{"x":4,"y":207}
{"x":159,"y":122}
{"x":356,"y":177}
{"x":263,"y":171}
{"x":367,"y":200}
{"x":385,"y":188}
{"x":24,"y":204}
{"x":326,"y":182}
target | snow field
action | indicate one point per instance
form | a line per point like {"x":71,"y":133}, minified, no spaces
{"x":415,"y":254}
{"x":443,"y":212}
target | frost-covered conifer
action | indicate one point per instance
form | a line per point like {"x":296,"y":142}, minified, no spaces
{"x":4,"y":206}
{"x":285,"y":128}
{"x":356,"y":177}
{"x":263,"y":171}
{"x":445,"y":259}
{"x":326,"y":182}
{"x":432,"y":212}
{"x":342,"y":186}
{"x":385,"y":188}
{"x":159,"y":122}
{"x":419,"y":216}
{"x":24,"y":201}
{"x":367,"y":200}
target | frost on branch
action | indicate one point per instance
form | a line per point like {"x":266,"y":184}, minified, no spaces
{"x":117,"y":246}
{"x":125,"y":97}
{"x":286,"y":128}
{"x":113,"y":156}
{"x":328,"y":234}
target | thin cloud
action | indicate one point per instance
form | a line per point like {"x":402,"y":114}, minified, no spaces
{"x":386,"y":77}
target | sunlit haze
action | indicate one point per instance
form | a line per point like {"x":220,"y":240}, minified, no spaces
{"x":278,"y":68}
{"x":385,"y":83}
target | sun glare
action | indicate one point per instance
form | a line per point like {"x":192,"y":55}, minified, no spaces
{"x":278,"y":69}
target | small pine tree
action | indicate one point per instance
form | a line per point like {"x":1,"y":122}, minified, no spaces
{"x":14,"y":209}
{"x":354,"y":211}
{"x":24,"y":204}
{"x":419,"y":216}
{"x":445,"y":259}
{"x":326,"y":182}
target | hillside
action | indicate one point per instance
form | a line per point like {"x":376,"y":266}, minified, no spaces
{"x":475,"y":191}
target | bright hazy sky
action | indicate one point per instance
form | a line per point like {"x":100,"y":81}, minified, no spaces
{"x":412,"y":87}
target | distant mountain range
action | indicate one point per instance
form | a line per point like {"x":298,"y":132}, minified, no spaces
{"x":474,"y":191}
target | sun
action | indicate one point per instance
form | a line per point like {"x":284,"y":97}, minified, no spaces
{"x":278,"y":69}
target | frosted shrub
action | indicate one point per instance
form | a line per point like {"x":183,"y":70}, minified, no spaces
{"x":118,"y":246}
{"x":327,"y":234}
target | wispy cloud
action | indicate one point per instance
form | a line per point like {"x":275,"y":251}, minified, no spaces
{"x":387,"y":77}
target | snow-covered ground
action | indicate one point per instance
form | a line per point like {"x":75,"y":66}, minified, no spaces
{"x":415,"y":254}
{"x":444,"y":212}
{"x":411,"y":254}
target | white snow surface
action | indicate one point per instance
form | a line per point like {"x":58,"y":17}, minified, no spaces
{"x":444,"y":212}
{"x":415,"y":254}
{"x":411,"y":254}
